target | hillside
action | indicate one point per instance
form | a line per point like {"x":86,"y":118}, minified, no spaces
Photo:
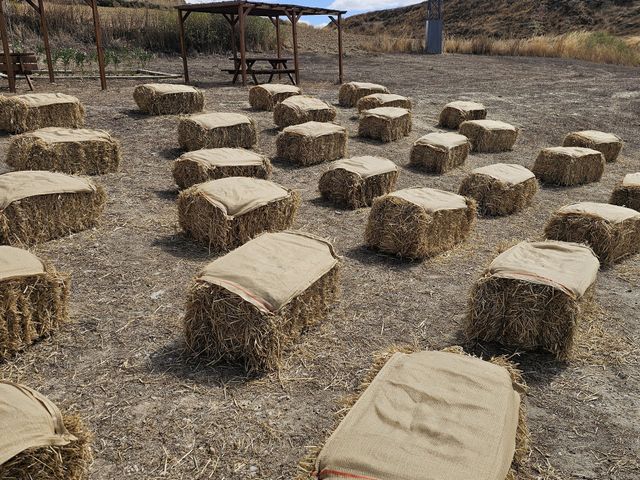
{"x":501,"y":18}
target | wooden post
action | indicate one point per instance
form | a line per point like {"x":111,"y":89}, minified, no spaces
{"x":45,"y":38}
{"x":183,"y":46}
{"x":294,"y":17}
{"x":340,"y":54}
{"x":279,"y":44}
{"x":243,"y":52}
{"x":8,"y":61}
{"x":98,"y":32}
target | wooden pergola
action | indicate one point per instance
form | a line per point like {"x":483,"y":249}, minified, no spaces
{"x":236,"y":13}
{"x":38,"y":6}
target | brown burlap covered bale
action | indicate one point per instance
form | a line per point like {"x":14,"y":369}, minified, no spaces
{"x":421,"y":411}
{"x":489,"y":136}
{"x":351,"y":92}
{"x":32,"y":111}
{"x":37,"y":441}
{"x":37,"y":206}
{"x":627,"y":193}
{"x":201,"y":166}
{"x":268,"y":95}
{"x":439,"y":152}
{"x":168,"y":99}
{"x":608,"y":144}
{"x":532,"y":296}
{"x":301,"y":109}
{"x":225,"y":213}
{"x":500,"y":189}
{"x":613,"y":232}
{"x":567,"y":166}
{"x":217,"y":130}
{"x":67,"y":150}
{"x":416,"y":223}
{"x":454,"y":113}
{"x":378,"y":100}
{"x":34,"y":299}
{"x":355,"y":182}
{"x":386,"y":124}
{"x":254,"y":302}
{"x":312,"y":143}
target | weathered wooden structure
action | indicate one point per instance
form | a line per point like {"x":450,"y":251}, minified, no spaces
{"x":236,"y":13}
{"x":38,"y":6}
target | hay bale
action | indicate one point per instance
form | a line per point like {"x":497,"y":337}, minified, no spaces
{"x":225,"y":213}
{"x":312,"y":143}
{"x":421,"y":412}
{"x":38,"y":206}
{"x":217,"y":130}
{"x":386,"y":124}
{"x":351,"y":92}
{"x":32,"y":111}
{"x":67,"y":150}
{"x":168,"y":99}
{"x":417,"y":223}
{"x":439,"y":152}
{"x":378,"y":100}
{"x":301,"y":109}
{"x":500,"y":189}
{"x":268,"y":95}
{"x":532,"y":296}
{"x":455,"y":113}
{"x":254,"y":302}
{"x":34,"y":300}
{"x":489,"y":136}
{"x":38,"y":442}
{"x":608,"y":144}
{"x":627,"y":193}
{"x":201,"y":166}
{"x":567,"y":166}
{"x":355,"y":182}
{"x":613,"y":232}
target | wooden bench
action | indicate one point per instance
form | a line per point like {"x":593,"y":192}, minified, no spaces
{"x":278,"y":66}
{"x":23,"y":64}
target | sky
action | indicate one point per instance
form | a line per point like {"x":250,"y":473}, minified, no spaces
{"x":352,"y":6}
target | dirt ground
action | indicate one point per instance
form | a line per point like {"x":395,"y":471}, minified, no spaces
{"x":157,"y":413}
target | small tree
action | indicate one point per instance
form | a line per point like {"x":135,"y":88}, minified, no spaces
{"x":81,"y":59}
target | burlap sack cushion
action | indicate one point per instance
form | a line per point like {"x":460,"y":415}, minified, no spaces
{"x":19,"y":185}
{"x":431,"y":199}
{"x":18,"y":263}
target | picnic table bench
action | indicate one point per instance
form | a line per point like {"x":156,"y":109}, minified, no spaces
{"x":23,"y":64}
{"x":278,"y":65}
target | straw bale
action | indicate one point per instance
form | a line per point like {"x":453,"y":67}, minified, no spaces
{"x":351,"y":92}
{"x":355,"y":182}
{"x":378,"y":100}
{"x":34,"y":299}
{"x":567,"y":166}
{"x":386,"y":124}
{"x":282,"y":283}
{"x":439,"y":152}
{"x":312,"y":143}
{"x":301,"y":109}
{"x":532,"y":296}
{"x":226,"y":213}
{"x":489,"y":136}
{"x":613,"y":232}
{"x":37,"y":206}
{"x":454,"y":113}
{"x":417,"y":223}
{"x":310,"y":466}
{"x":608,"y":144}
{"x":168,"y":99}
{"x":75,"y":151}
{"x":70,"y":461}
{"x":21,"y":113}
{"x":627,"y":193}
{"x":500,"y":189}
{"x":217,"y":130}
{"x":200,"y":166}
{"x":268,"y":95}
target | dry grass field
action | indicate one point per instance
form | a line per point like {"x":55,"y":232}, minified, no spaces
{"x":159,"y":414}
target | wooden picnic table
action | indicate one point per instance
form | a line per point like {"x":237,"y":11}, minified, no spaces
{"x":278,"y":66}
